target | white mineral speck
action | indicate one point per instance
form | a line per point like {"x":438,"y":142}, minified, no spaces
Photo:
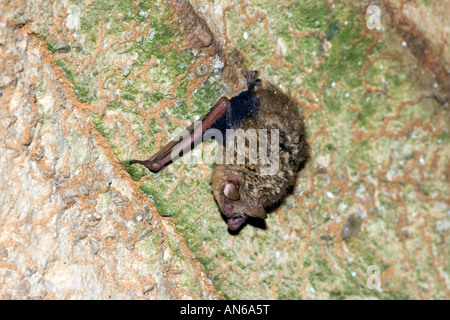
{"x":442,"y":225}
{"x":277,"y":254}
{"x":216,"y":64}
{"x":218,"y":10}
{"x":281,"y":46}
{"x":73,"y":21}
{"x":150,"y":35}
{"x":422,"y":159}
{"x":342,"y":206}
{"x":361,"y":189}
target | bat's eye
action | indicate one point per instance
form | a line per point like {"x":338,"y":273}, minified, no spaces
{"x":231,"y":190}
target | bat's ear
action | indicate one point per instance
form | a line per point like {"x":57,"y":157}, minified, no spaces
{"x":231,"y":189}
{"x":258,"y":212}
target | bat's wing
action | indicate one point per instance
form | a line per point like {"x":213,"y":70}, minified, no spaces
{"x":174,"y":147}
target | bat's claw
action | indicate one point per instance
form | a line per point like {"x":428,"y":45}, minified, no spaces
{"x":252,"y":77}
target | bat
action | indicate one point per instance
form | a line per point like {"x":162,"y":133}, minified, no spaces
{"x":255,"y":176}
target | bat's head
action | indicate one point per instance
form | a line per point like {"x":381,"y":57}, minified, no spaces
{"x":236,"y":196}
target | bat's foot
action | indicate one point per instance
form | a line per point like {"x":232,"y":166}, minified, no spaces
{"x":252,"y":78}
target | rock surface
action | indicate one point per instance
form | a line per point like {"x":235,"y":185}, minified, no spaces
{"x":87,"y":85}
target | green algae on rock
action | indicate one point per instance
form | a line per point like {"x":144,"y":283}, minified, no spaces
{"x":379,"y":139}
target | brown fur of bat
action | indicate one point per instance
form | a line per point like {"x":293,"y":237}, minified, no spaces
{"x":254,"y":192}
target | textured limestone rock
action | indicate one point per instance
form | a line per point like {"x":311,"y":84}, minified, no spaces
{"x":87,"y":85}
{"x":73,"y":224}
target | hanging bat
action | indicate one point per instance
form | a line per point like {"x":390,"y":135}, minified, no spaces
{"x":246,"y":188}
